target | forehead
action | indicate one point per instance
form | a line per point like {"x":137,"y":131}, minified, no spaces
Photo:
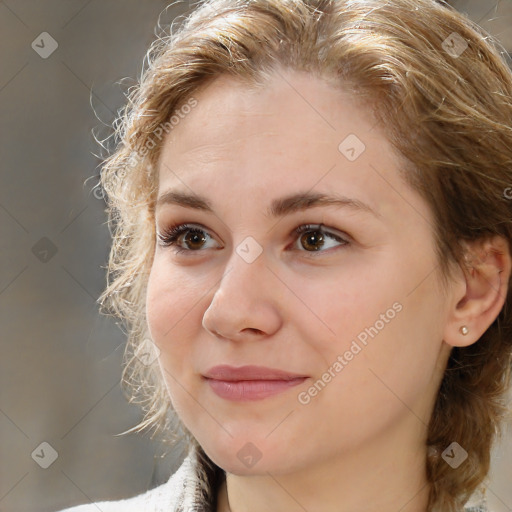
{"x":297,"y":132}
{"x":228,"y":110}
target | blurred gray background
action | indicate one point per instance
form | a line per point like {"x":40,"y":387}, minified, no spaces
{"x":61,"y":360}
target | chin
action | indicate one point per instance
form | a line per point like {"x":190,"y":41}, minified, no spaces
{"x":232,"y":464}
{"x":240,"y":456}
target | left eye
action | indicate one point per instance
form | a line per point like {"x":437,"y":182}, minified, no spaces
{"x":315,"y":237}
{"x":190,"y":238}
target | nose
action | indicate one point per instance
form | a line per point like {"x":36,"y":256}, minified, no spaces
{"x":246,"y":303}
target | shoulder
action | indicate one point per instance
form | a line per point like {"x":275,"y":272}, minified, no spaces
{"x":478,"y":501}
{"x":164,"y":498}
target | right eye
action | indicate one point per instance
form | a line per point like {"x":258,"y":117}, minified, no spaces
{"x":184,"y":238}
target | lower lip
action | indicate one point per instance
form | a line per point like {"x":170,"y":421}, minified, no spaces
{"x":244,"y":390}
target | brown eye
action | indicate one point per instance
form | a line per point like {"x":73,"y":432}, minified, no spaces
{"x":313,"y":238}
{"x":184,"y":238}
{"x":193,"y":239}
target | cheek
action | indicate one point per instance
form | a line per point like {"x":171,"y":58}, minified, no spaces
{"x":172,"y":315}
{"x":172,"y":305}
{"x":395,"y":371}
{"x":341,"y":305}
{"x":386,"y":334}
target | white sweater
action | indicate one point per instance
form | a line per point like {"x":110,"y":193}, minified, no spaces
{"x":192,"y":488}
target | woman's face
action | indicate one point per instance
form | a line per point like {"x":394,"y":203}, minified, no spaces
{"x":353,"y":309}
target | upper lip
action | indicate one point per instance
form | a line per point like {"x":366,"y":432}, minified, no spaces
{"x":249,"y":372}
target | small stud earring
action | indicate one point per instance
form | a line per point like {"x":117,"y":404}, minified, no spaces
{"x":464,"y":330}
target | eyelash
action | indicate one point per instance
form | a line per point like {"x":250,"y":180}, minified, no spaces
{"x":169,"y":237}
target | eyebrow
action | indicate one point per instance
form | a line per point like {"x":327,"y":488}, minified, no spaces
{"x":278,"y":208}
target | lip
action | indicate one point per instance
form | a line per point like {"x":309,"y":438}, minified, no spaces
{"x":249,"y":372}
{"x":250,"y":382}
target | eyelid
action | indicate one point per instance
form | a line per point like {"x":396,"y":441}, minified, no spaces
{"x":168,"y":237}
{"x":341,"y":237}
{"x":177,"y":230}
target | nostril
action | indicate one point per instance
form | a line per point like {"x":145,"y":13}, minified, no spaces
{"x":252,"y":329}
{"x":247,"y":330}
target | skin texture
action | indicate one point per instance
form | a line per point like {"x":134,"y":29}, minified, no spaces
{"x":359,"y":443}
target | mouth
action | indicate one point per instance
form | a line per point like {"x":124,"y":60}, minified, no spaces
{"x":248,"y":383}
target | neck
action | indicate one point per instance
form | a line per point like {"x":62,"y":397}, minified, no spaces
{"x":384,"y":475}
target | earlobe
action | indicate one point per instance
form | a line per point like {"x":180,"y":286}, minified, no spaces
{"x":486,"y":281}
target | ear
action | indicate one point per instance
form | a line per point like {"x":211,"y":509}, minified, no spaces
{"x":480,"y":291}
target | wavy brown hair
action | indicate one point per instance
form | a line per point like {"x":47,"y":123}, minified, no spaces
{"x":449,"y":114}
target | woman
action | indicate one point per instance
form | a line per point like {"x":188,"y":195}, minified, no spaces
{"x":312,"y":252}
